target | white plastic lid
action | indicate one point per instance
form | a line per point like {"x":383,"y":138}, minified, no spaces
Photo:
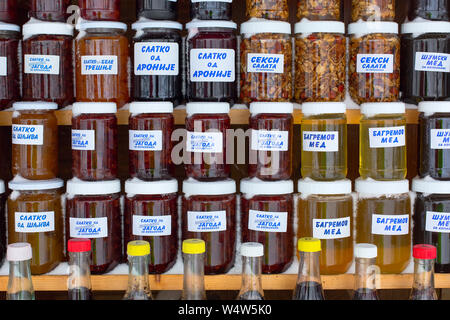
{"x":434,"y":106}
{"x":308,"y":186}
{"x":2,"y":186}
{"x":136,"y":186}
{"x":368,"y":27}
{"x":426,"y":27}
{"x":256,"y":26}
{"x":19,"y":251}
{"x":194,"y":187}
{"x":365,"y":250}
{"x":52,"y":28}
{"x":255,"y":186}
{"x":151,"y":107}
{"x":308,"y":26}
{"x":9,"y":27}
{"x":78,"y":187}
{"x":429,"y":185}
{"x":228,"y":1}
{"x":374,"y":108}
{"x":207,"y":107}
{"x":93,"y":107}
{"x":101,"y":25}
{"x":153,"y":24}
{"x":271,"y":107}
{"x":34,"y":105}
{"x":252,"y":249}
{"x":314,"y":108}
{"x":21,"y":184}
{"x":195,"y":24}
{"x":377,"y":187}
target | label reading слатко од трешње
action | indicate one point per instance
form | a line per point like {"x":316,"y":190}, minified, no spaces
{"x":440,"y":138}
{"x":88,"y":227}
{"x":145,"y":140}
{"x":91,"y":65}
{"x":331,"y":228}
{"x":32,"y":222}
{"x":375,"y":63}
{"x":265,"y":140}
{"x":387,"y":137}
{"x":41,"y":64}
{"x":392,"y":225}
{"x":321,"y":141}
{"x":265,"y":63}
{"x":204,"y":142}
{"x":27,"y":134}
{"x":265,"y":221}
{"x":432,"y":61}
{"x":83,"y":140}
{"x":152,"y":225}
{"x":156,"y":58}
{"x":207,"y":221}
{"x":437,"y":222}
{"x":212,"y":65}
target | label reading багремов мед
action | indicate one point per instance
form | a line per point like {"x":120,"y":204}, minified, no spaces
{"x":387,"y":137}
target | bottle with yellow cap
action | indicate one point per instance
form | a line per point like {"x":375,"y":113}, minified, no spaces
{"x":309,"y":284}
{"x":138,"y":283}
{"x":194,"y":270}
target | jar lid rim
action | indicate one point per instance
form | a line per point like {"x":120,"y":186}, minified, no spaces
{"x":378,"y":187}
{"x":34,"y":105}
{"x":368,"y":27}
{"x":308,"y":186}
{"x":308,"y":26}
{"x":374,"y":108}
{"x":430,"y":186}
{"x":194,"y":1}
{"x":9,"y":27}
{"x":93,"y":107}
{"x":425,"y":27}
{"x":140,"y":187}
{"x":257,"y":25}
{"x":271,"y":107}
{"x":155,"y":24}
{"x":434,"y":106}
{"x":195,"y":187}
{"x":255,"y":186}
{"x":78,"y":187}
{"x":138,"y":107}
{"x":21,"y":184}
{"x":315,"y":108}
{"x":207,"y":108}
{"x":35,"y":27}
{"x":84,"y":25}
{"x":211,"y":24}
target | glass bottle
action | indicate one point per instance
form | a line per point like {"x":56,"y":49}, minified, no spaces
{"x":423,"y":285}
{"x":251,"y":288}
{"x":194,"y":270}
{"x":365,"y":283}
{"x":309,"y":284}
{"x":79,"y":282}
{"x":138,"y":283}
{"x":20,"y":286}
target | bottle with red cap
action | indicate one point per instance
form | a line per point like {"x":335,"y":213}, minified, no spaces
{"x":20,"y":285}
{"x":79,"y":281}
{"x":423,"y":286}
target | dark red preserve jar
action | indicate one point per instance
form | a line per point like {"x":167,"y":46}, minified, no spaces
{"x":8,"y":11}
{"x":157,"y":9}
{"x":100,"y":10}
{"x":49,"y":10}
{"x":211,"y":9}
{"x":9,"y":65}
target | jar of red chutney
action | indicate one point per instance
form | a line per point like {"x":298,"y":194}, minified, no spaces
{"x":100,"y":10}
{"x":93,"y":212}
{"x":157,"y":9}
{"x":49,"y":10}
{"x":9,"y":65}
{"x":150,"y":132}
{"x":206,"y":125}
{"x":8,"y":11}
{"x":151,"y":214}
{"x":94,"y":141}
{"x":209,"y":213}
{"x":267,"y":217}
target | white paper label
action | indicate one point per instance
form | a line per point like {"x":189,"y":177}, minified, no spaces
{"x":392,"y":225}
{"x":88,"y":227}
{"x":432,"y":61}
{"x":387,"y":137}
{"x":145,"y":140}
{"x":3,"y":66}
{"x":266,"y":140}
{"x":28,"y":134}
{"x":41,"y":64}
{"x":99,"y":65}
{"x":156,"y":58}
{"x":152,"y":225}
{"x":30,"y":222}
{"x":267,"y":63}
{"x":267,"y":221}
{"x":440,"y":139}
{"x":375,"y":63}
{"x":210,"y":221}
{"x":321,"y":141}
{"x":212,"y":65}
{"x":204,"y":142}
{"x":83,"y":139}
{"x":437,"y":222}
{"x":331,"y":228}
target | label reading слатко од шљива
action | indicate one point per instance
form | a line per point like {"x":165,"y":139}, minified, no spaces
{"x":156,"y":58}
{"x":31,"y":222}
{"x":207,"y":221}
{"x":83,"y":140}
{"x":145,"y":140}
{"x":440,"y":138}
{"x":432,"y":61}
{"x":267,"y":221}
{"x":152,"y":225}
{"x":331,"y":228}
{"x":321,"y":141}
{"x":41,"y":64}
{"x":392,"y":225}
{"x":91,"y":65}
{"x":88,"y":227}
{"x":437,"y":222}
{"x":265,"y":140}
{"x":387,"y":137}
{"x":212,"y":65}
{"x":27,"y":134}
{"x":375,"y":63}
{"x":204,"y":142}
{"x":3,"y":66}
{"x":266,"y":63}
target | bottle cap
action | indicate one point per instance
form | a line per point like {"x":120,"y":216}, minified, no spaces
{"x":252,"y":249}
{"x":271,"y":107}
{"x":34,"y":105}
{"x":430,"y":186}
{"x":207,"y":107}
{"x":424,"y":251}
{"x":161,"y":24}
{"x":368,"y":27}
{"x":93,"y":107}
{"x":21,"y":184}
{"x":255,"y":26}
{"x":308,"y":26}
{"x":308,"y":186}
{"x":79,"y":245}
{"x":375,"y":187}
{"x":365,"y":250}
{"x":314,"y":108}
{"x":194,"y":246}
{"x":374,"y":108}
{"x":9,"y":27}
{"x":309,"y":245}
{"x":434,"y":106}
{"x":194,"y":24}
{"x":19,"y":251}
{"x":255,"y":186}
{"x":52,"y":28}
{"x":79,"y":187}
{"x":136,"y":186}
{"x":138,"y":248}
{"x":194,"y":187}
{"x":426,"y":26}
{"x":151,"y":107}
{"x":101,"y":25}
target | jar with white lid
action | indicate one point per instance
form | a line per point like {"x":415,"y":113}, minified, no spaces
{"x":211,"y":9}
{"x":209,"y":213}
{"x":383,"y":219}
{"x":374,"y":65}
{"x":266,"y":61}
{"x":10,"y":75}
{"x":382,"y":141}
{"x":325,"y":212}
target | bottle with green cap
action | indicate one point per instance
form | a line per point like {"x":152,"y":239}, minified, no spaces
{"x":20,"y":286}
{"x":251,"y":289}
{"x":138,"y":283}
{"x":194,"y":269}
{"x":309,"y":284}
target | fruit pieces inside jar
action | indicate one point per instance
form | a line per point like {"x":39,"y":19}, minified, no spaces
{"x":320,"y":66}
{"x":373,"y":10}
{"x":268,"y":9}
{"x":319,"y":9}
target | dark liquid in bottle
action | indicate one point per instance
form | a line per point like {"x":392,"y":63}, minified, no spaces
{"x":21,"y":295}
{"x":309,"y":290}
{"x":365,"y":294}
{"x":82,"y":293}
{"x":251,"y":295}
{"x":423,"y":294}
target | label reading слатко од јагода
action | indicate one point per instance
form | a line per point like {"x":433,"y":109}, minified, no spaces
{"x":437,"y":222}
{"x":207,"y":221}
{"x":321,"y":141}
{"x":267,"y":221}
{"x":41,"y":64}
{"x":88,"y":227}
{"x":3,"y":66}
{"x":375,"y":63}
{"x":156,"y":58}
{"x":152,"y":225}
{"x":331,"y":228}
{"x":212,"y":65}
{"x":145,"y":140}
{"x":204,"y":142}
{"x":392,"y":225}
{"x":31,"y":222}
{"x":265,"y":63}
{"x":83,"y":140}
{"x":387,"y":137}
{"x":432,"y":61}
{"x":27,"y":134}
{"x":91,"y":65}
{"x":265,"y":140}
{"x":440,"y":138}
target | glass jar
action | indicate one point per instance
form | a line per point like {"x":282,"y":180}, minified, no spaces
{"x":2,"y":222}
{"x":374,"y":66}
{"x":8,"y":11}
{"x":151,"y":214}
{"x":209,"y":213}
{"x":434,"y":133}
{"x":9,"y":65}
{"x":383,"y":219}
{"x":100,"y":10}
{"x":320,"y":61}
{"x":211,"y":9}
{"x":425,"y":68}
{"x":266,"y":61}
{"x":373,"y":10}
{"x":48,"y":62}
{"x":206,"y":125}
{"x":101,"y":62}
{"x":34,"y":140}
{"x":93,"y":212}
{"x":324,"y":141}
{"x":268,"y":9}
{"x":382,"y":141}
{"x":94,"y":141}
{"x":211,"y":61}
{"x":150,"y":132}
{"x":268,"y":218}
{"x":271,"y":139}
{"x":35,"y":216}
{"x":157,"y":61}
{"x":319,"y":10}
{"x":325,"y":212}
{"x":49,"y":10}
{"x":431,"y":216}
{"x":429,"y":9}
{"x":157,"y":9}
